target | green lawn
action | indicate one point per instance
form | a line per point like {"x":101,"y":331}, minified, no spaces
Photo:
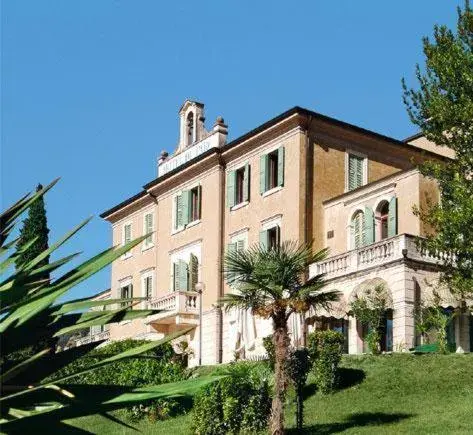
{"x":393,"y":394}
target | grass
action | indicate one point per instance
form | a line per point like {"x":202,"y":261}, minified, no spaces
{"x":392,"y":394}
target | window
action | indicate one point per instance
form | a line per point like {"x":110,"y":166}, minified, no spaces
{"x":195,"y":204}
{"x":386,"y":219}
{"x":186,"y":275}
{"x":240,"y":179}
{"x":126,"y":292}
{"x":270,"y":238}
{"x":356,"y":172}
{"x":238,"y":186}
{"x":187,"y":207}
{"x":148,"y":228}
{"x":272,"y":170}
{"x":383,"y":220}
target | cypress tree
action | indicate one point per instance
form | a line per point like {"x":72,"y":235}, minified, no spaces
{"x":35,"y":225}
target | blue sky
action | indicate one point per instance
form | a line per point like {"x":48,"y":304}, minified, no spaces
{"x":91,"y":89}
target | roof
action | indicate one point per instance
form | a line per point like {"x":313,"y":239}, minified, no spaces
{"x":268,"y":124}
{"x":414,"y":137}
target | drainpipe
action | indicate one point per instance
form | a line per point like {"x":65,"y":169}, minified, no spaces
{"x":222,"y":253}
{"x":199,"y":287}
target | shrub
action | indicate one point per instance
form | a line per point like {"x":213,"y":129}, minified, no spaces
{"x":160,"y":409}
{"x":161,"y":365}
{"x":269,"y":348}
{"x":239,"y":402}
{"x":298,"y":367}
{"x":325,"y":350}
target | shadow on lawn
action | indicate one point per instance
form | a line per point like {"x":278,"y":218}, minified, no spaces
{"x":347,"y":378}
{"x":355,"y":420}
{"x":94,"y":399}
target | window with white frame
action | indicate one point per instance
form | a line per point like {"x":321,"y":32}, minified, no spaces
{"x":238,"y":186}
{"x":185,"y":273}
{"x":147,"y":284}
{"x":270,"y":236}
{"x":187,"y":207}
{"x":272,"y":170}
{"x":126,"y":292}
{"x":148,"y":228}
{"x":356,"y":171}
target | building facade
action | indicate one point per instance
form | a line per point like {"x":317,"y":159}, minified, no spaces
{"x":300,"y":176}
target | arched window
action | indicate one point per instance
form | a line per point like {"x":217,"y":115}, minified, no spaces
{"x":190,"y":128}
{"x":382,"y":214}
{"x":386,"y":219}
{"x":357,"y":227}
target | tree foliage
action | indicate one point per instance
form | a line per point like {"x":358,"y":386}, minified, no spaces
{"x":33,"y":311}
{"x":369,"y":310}
{"x":442,"y":107}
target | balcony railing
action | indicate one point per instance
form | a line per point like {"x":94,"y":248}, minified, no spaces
{"x":184,"y":305}
{"x":385,"y":251}
{"x":104,"y":335}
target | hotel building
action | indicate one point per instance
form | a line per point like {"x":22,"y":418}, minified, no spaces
{"x":300,"y":176}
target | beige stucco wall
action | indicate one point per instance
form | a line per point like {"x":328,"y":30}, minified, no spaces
{"x":424,"y":144}
{"x":338,"y":212}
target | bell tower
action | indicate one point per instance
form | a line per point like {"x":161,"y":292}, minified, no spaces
{"x":191,"y":118}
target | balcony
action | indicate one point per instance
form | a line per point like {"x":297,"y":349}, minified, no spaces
{"x":178,"y":307}
{"x":104,"y":335}
{"x":376,"y":254}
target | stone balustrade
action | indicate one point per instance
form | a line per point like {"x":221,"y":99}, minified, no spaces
{"x":104,"y":335}
{"x":175,"y":304}
{"x":385,"y":251}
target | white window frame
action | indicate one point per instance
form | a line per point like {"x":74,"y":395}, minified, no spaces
{"x":183,"y":254}
{"x":349,"y":152}
{"x":243,"y":235}
{"x":129,"y":253}
{"x":147,"y":245}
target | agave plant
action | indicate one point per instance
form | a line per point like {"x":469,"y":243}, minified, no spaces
{"x":31,"y":313}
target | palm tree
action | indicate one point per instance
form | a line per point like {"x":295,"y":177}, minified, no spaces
{"x":271,"y":283}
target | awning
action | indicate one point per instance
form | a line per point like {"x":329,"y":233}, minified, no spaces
{"x":338,"y":310}
{"x":445,"y":297}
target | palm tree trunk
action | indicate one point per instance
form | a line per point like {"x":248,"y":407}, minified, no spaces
{"x":281,"y":346}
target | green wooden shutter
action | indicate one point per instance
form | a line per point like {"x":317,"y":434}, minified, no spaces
{"x":149,"y":228}
{"x":231,"y":188}
{"x":199,"y":201}
{"x":263,"y":169}
{"x":193,"y":272}
{"x":186,"y":206}
{"x":246,"y":183}
{"x":351,"y":173}
{"x":280,"y":166}
{"x":278,"y":235}
{"x":263,"y":239}
{"x":392,"y":217}
{"x":179,"y":217}
{"x":127,"y":235}
{"x":240,"y":245}
{"x":148,"y":287}
{"x":359,"y":172}
{"x":357,"y":223}
{"x":231,"y":248}
{"x":368,"y":226}
{"x":183,"y":276}
{"x":355,"y":171}
{"x":175,"y":275}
